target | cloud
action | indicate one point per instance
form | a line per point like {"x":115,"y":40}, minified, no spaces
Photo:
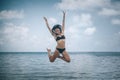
{"x":90,"y":31}
{"x":81,"y":4}
{"x":116,"y":21}
{"x":52,"y":20}
{"x":78,"y":31}
{"x":81,"y":24}
{"x":73,"y":29}
{"x":21,"y":38}
{"x":15,"y":37}
{"x":11,"y":14}
{"x":83,"y":20}
{"x":109,"y":12}
{"x":13,"y":32}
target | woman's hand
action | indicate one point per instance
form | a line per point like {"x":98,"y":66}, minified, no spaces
{"x":45,"y":19}
{"x":64,"y":12}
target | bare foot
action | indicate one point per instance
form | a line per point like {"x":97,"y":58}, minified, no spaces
{"x":49,"y":52}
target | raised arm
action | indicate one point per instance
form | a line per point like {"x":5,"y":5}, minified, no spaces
{"x":63,"y":22}
{"x":47,"y":25}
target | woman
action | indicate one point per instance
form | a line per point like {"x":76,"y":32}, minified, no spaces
{"x":58,"y":33}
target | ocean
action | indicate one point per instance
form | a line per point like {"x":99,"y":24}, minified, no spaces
{"x":83,"y":66}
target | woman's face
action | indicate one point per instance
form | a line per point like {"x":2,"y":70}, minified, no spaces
{"x":57,"y":31}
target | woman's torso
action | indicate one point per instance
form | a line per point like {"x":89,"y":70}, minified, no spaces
{"x":60,"y":39}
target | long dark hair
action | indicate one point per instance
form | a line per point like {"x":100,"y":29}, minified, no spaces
{"x":55,"y":27}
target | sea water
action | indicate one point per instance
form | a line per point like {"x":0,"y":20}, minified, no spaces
{"x":83,"y":66}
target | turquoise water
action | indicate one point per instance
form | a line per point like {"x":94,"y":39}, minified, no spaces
{"x":83,"y":66}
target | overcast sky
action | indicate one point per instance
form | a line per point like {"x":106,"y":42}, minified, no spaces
{"x":91,"y":25}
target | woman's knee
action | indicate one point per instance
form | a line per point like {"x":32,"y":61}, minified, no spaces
{"x":68,"y":59}
{"x":51,"y":59}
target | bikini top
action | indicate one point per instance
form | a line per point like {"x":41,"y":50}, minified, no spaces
{"x":60,"y":37}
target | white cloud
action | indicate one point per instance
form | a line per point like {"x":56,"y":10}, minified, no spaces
{"x":13,"y":32}
{"x":11,"y":14}
{"x":73,"y":29}
{"x":83,"y":20}
{"x":52,"y":20}
{"x":81,"y":24}
{"x":81,"y":4}
{"x":116,"y":21}
{"x":78,"y":31}
{"x":21,"y":38}
{"x":90,"y":31}
{"x":15,"y":37}
{"x":109,"y":12}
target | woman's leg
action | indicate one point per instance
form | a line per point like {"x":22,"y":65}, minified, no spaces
{"x":54,"y":56}
{"x":66,"y":56}
{"x":61,"y":57}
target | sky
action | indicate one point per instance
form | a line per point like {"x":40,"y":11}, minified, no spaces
{"x":91,"y":25}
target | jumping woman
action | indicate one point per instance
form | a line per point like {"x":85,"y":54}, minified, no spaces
{"x":58,"y":33}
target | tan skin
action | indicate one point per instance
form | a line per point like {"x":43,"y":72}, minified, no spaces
{"x":60,"y":43}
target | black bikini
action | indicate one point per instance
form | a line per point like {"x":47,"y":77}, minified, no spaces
{"x":62,"y":37}
{"x":60,"y":50}
{"x":59,"y":38}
